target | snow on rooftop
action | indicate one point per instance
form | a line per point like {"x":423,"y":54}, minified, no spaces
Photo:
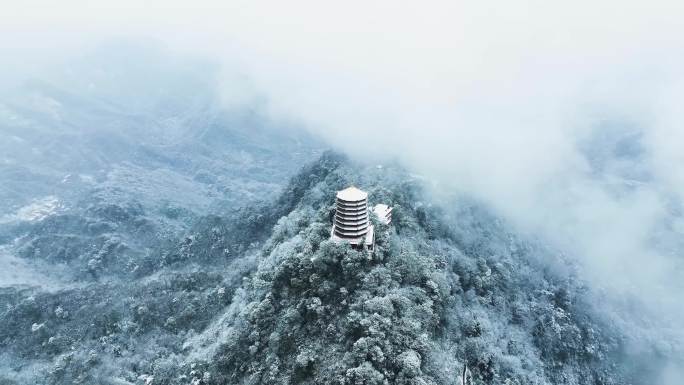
{"x":383,"y":212}
{"x":381,"y":208}
{"x":352,"y":194}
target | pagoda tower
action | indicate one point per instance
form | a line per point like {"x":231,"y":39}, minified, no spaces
{"x":351,"y":221}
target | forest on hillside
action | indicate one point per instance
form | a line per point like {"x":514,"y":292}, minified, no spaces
{"x":260,"y":295}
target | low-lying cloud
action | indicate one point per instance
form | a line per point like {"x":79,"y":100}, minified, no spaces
{"x":562,"y":116}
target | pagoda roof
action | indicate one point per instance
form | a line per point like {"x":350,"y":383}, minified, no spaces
{"x":352,"y":194}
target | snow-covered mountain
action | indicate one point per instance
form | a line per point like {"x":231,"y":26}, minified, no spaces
{"x":150,"y":236}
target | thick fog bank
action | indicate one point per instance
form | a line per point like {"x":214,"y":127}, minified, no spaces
{"x":563,"y":118}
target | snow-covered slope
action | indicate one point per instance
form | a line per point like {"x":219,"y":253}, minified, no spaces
{"x":261,"y":296}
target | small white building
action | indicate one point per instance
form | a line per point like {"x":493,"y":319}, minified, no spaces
{"x":383,"y":212}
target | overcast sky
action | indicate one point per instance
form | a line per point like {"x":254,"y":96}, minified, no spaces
{"x":519,"y":103}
